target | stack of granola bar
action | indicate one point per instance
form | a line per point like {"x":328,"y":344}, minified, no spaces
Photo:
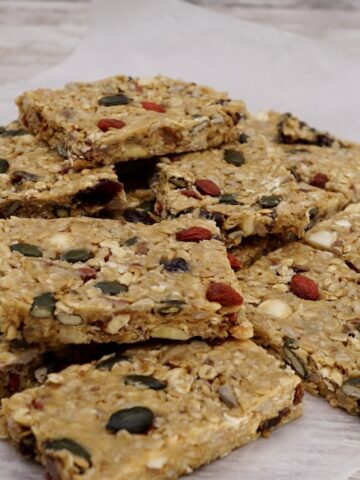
{"x":154,"y":238}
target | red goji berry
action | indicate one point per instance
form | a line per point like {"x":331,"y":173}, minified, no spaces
{"x":155,"y":107}
{"x":208,"y":187}
{"x":319,"y":180}
{"x":304,"y":287}
{"x":224,"y":294}
{"x":235,"y":264}
{"x":193,"y":234}
{"x":106,"y":123}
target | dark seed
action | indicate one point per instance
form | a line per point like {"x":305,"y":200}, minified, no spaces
{"x":62,"y":151}
{"x":70,"y":445}
{"x":43,"y":306}
{"x":295,"y":174}
{"x":101,"y":193}
{"x":243,"y":138}
{"x":352,"y":387}
{"x":61,"y":212}
{"x":178,"y":182}
{"x":234,"y":157}
{"x":146,"y":381}
{"x":323,"y":140}
{"x":108,"y":363}
{"x":313,"y":212}
{"x":215,"y":216}
{"x":177,"y":264}
{"x":10,"y":209}
{"x":4,"y":165}
{"x":229,"y":199}
{"x":268,"y":425}
{"x":27,"y":446}
{"x":138,"y":216}
{"x":131,"y":241}
{"x":270,"y":201}
{"x":14,"y":133}
{"x":112,"y":100}
{"x":147,"y":206}
{"x":295,"y":362}
{"x":134,"y":420}
{"x":26,"y":249}
{"x":112,"y":287}
{"x":76,"y":255}
{"x":20,"y":176}
{"x":167,"y":307}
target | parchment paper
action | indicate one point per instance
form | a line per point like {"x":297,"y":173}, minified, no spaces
{"x":269,"y":69}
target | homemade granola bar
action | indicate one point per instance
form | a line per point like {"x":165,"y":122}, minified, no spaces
{"x":314,"y":157}
{"x":81,"y":279}
{"x":305,"y":305}
{"x":153,"y":412}
{"x":241,"y":186}
{"x":34,"y":182}
{"x":124,"y":118}
{"x":340,"y":235}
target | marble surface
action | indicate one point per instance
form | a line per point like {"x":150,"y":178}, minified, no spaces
{"x":35,"y":35}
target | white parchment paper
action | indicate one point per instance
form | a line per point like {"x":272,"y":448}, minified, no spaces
{"x":269,"y":69}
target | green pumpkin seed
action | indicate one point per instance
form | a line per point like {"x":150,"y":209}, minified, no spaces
{"x":178,"y":182}
{"x":112,"y":287}
{"x":71,"y":446}
{"x":313,"y":212}
{"x":43,"y":306}
{"x":107,"y":364}
{"x":147,"y":205}
{"x":26,"y":249}
{"x":113,"y":100}
{"x":62,"y":151}
{"x":270,"y":201}
{"x":229,"y":199}
{"x":61,"y":212}
{"x":131,"y":241}
{"x":14,"y":132}
{"x":234,"y":157}
{"x":134,"y":420}
{"x":352,"y":387}
{"x":145,"y":381}
{"x":167,"y":307}
{"x":4,"y":165}
{"x":76,"y":255}
{"x":295,"y":362}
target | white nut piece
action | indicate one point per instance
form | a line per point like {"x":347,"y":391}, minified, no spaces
{"x":322,"y":239}
{"x":170,"y":333}
{"x":117,"y":323}
{"x":276,"y":308}
{"x":69,"y":319}
{"x":61,"y":241}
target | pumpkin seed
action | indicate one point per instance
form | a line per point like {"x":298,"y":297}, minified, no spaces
{"x":61,"y":212}
{"x":76,"y":255}
{"x":69,"y":319}
{"x":27,"y":445}
{"x":234,"y":157}
{"x":295,"y":362}
{"x":270,"y":201}
{"x":43,"y":306}
{"x":227,"y":396}
{"x":113,"y":100}
{"x":133,"y":215}
{"x":20,"y":176}
{"x":229,"y":199}
{"x":4,"y":165}
{"x":145,"y":380}
{"x":14,"y":132}
{"x":109,"y":362}
{"x":71,"y":446}
{"x":167,"y":307}
{"x":147,"y":205}
{"x":178,"y":182}
{"x":313,"y":212}
{"x":26,"y":249}
{"x":134,"y":420}
{"x":352,"y":387}
{"x":131,"y":241}
{"x":112,"y":287}
{"x":62,"y":151}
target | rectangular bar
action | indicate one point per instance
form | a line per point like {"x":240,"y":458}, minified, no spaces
{"x":125,"y":118}
{"x":80,"y":280}
{"x":304,"y":305}
{"x":34,"y":182}
{"x":160,"y":412}
{"x":241,"y":185}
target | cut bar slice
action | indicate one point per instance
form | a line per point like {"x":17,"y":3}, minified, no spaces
{"x":339,"y":235}
{"x":125,"y":118}
{"x":304,"y":305}
{"x":153,"y":412}
{"x":34,"y":182}
{"x":80,"y":280}
{"x":244,"y":187}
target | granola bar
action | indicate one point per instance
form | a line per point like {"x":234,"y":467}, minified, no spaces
{"x":304,"y":305}
{"x":124,"y":118}
{"x":161,"y":411}
{"x":34,"y":182}
{"x":339,"y":235}
{"x":241,"y":185}
{"x":81,"y":279}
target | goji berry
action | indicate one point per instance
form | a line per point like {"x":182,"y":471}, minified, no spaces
{"x":193,"y":234}
{"x":155,"y":107}
{"x":224,"y":294}
{"x":190,"y":194}
{"x":304,"y":287}
{"x":235,"y":264}
{"x":208,"y":187}
{"x":87,"y":273}
{"x":319,"y":180}
{"x":105,"y":123}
